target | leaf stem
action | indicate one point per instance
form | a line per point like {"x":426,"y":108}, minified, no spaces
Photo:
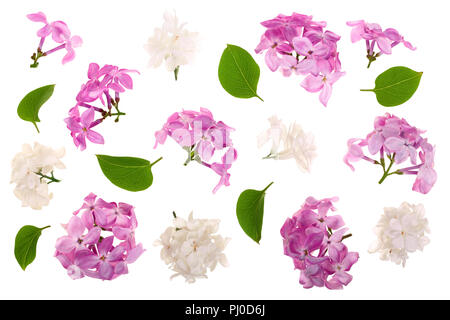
{"x":267,"y":187}
{"x":45,"y":228}
{"x":367,"y":90}
{"x":152,"y":164}
{"x":35,"y":125}
{"x":259,"y":98}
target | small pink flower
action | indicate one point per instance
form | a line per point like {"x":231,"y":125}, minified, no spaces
{"x":104,"y":84}
{"x":373,"y":34}
{"x":60,"y":33}
{"x":102,"y":252}
{"x":323,"y":83}
{"x":203,"y":138}
{"x":297,"y":44}
{"x":82,"y":130}
{"x":71,"y":43}
{"x":396,"y":142}
{"x":314,"y":241}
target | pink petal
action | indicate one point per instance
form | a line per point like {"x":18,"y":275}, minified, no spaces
{"x":325,"y":94}
{"x":312,"y":83}
{"x":303,"y":46}
{"x":116,"y":254}
{"x":106,"y":271}
{"x":75,"y":228}
{"x":272,"y":60}
{"x":375,"y":143}
{"x":135,"y":253}
{"x":95,"y":137}
{"x":70,"y":55}
{"x":44,"y":31}
{"x":384,"y":44}
{"x":65,"y":261}
{"x":334,"y":222}
{"x":343,"y":277}
{"x":116,"y":87}
{"x":37,"y":17}
{"x":394,"y":144}
{"x":85,"y":259}
{"x":65,"y":244}
{"x":76,"y":41}
{"x":125,"y":80}
{"x":93,"y":70}
{"x":87,"y":117}
{"x":121,"y":233}
{"x":92,"y":236}
{"x":60,"y":31}
{"x":121,"y":268}
{"x":350,"y":260}
{"x":105,"y":246}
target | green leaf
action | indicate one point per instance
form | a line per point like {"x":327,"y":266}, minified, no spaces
{"x":132,"y":174}
{"x":25,"y":245}
{"x":30,"y":105}
{"x":396,"y":86}
{"x":250,"y":212}
{"x":239,"y":73}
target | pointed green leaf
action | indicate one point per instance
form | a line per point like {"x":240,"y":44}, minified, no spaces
{"x":396,"y":86}
{"x":250,"y":212}
{"x":30,"y":105}
{"x":132,"y":174}
{"x":239,"y":73}
{"x":25,"y":245}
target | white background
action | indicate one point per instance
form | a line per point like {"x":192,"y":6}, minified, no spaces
{"x":114,"y":32}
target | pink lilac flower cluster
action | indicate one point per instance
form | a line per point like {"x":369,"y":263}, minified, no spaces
{"x":203,"y":138}
{"x":395,"y":139}
{"x":373,"y":34}
{"x":104,"y":84}
{"x":296,"y":44}
{"x":313,"y":239}
{"x":100,"y":241}
{"x":60,"y":33}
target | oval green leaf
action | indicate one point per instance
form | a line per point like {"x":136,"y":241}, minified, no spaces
{"x":30,"y":105}
{"x":396,"y":86}
{"x":25,"y":245}
{"x":239,"y":73}
{"x":132,"y":174}
{"x":250,"y":212}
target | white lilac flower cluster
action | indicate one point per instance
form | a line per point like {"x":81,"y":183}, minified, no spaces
{"x":401,"y":231}
{"x":32,"y":172}
{"x":172,"y":44}
{"x":191,"y":247}
{"x":296,"y":143}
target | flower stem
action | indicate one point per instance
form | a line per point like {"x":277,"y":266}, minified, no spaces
{"x":387,"y":172}
{"x":50,"y":179}
{"x":372,"y":57}
{"x":35,"y":57}
{"x":175,"y":72}
{"x":191,"y":155}
{"x":346,"y":236}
